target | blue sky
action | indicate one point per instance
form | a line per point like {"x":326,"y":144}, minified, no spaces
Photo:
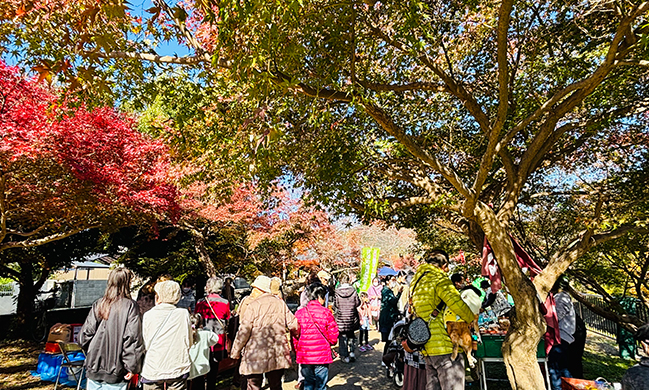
{"x":138,"y":8}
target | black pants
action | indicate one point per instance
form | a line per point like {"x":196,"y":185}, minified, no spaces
{"x":208,"y":381}
{"x":363,"y":337}
{"x":346,"y":343}
{"x":385,"y":337}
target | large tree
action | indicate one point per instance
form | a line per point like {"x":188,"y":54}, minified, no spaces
{"x":410,"y":110}
{"x":616,"y":270}
{"x":65,"y":170}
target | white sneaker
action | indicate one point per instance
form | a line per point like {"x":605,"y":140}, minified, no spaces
{"x":352,"y":356}
{"x":345,"y":359}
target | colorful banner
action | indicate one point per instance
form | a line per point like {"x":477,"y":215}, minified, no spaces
{"x":369,"y":264}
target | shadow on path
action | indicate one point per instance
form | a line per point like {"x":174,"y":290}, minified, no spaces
{"x":365,"y":373}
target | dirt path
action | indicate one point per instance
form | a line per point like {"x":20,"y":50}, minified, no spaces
{"x":365,"y":373}
{"x":17,"y":358}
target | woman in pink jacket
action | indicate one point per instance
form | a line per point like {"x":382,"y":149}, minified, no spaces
{"x":318,"y":332}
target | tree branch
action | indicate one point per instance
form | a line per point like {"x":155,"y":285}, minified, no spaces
{"x":417,"y":178}
{"x":28,"y":234}
{"x":628,"y":322}
{"x":44,"y":240}
{"x":186,"y":60}
{"x":559,"y":132}
{"x":383,"y":119}
{"x":632,"y":63}
{"x":579,"y":91}
{"x":584,"y":87}
{"x":414,"y":175}
{"x":8,"y":271}
{"x":504,"y":17}
{"x":415,"y":86}
{"x":493,"y":135}
{"x":388,"y":124}
{"x":45,"y":273}
{"x":454,"y":88}
{"x":508,"y":165}
{"x":321,"y":93}
{"x":180,"y":25}
{"x":562,"y":259}
{"x":461,"y":93}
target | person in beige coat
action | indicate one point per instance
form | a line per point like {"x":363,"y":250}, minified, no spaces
{"x":261,"y":342}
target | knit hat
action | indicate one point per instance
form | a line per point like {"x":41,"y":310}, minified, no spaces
{"x":168,"y":291}
{"x":262,"y":282}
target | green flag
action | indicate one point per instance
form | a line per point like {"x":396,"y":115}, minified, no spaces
{"x":369,"y":264}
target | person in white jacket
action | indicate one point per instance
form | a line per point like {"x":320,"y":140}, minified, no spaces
{"x":167,"y":335}
{"x":199,"y":353}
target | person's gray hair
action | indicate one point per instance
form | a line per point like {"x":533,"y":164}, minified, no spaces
{"x":214,"y":286}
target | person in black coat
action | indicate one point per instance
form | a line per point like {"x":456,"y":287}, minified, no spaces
{"x":346,"y":303}
{"x":576,"y":349}
{"x":389,"y":309}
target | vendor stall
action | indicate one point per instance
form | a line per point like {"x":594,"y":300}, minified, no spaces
{"x":490,"y":351}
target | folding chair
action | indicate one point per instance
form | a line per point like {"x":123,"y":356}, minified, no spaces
{"x":71,"y":364}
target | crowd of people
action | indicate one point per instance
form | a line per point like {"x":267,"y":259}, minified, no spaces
{"x":169,"y":340}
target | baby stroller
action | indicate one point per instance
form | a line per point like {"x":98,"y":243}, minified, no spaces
{"x":394,"y":355}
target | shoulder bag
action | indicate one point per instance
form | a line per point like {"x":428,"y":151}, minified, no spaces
{"x":417,"y":329}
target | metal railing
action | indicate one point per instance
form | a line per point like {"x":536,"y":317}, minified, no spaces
{"x":595,"y":322}
{"x":604,"y":326}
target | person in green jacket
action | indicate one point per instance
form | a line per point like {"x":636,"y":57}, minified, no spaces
{"x":431,"y":286}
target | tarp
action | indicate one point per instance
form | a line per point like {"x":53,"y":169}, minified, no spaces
{"x":48,"y":368}
{"x":387,"y":271}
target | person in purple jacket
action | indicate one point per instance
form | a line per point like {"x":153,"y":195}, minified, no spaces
{"x":318,"y":332}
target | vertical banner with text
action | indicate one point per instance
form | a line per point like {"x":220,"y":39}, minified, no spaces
{"x":369,"y":264}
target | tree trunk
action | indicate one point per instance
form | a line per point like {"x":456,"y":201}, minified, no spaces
{"x":26,"y":296}
{"x":475,"y":234}
{"x":522,"y":340}
{"x":527,"y":326}
{"x":203,"y":255}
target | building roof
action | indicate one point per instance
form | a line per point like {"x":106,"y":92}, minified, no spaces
{"x":88,"y":264}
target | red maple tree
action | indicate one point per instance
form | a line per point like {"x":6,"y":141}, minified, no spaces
{"x":65,"y":168}
{"x":271,"y":232}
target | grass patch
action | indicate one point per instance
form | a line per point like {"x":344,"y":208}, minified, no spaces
{"x":611,"y":368}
